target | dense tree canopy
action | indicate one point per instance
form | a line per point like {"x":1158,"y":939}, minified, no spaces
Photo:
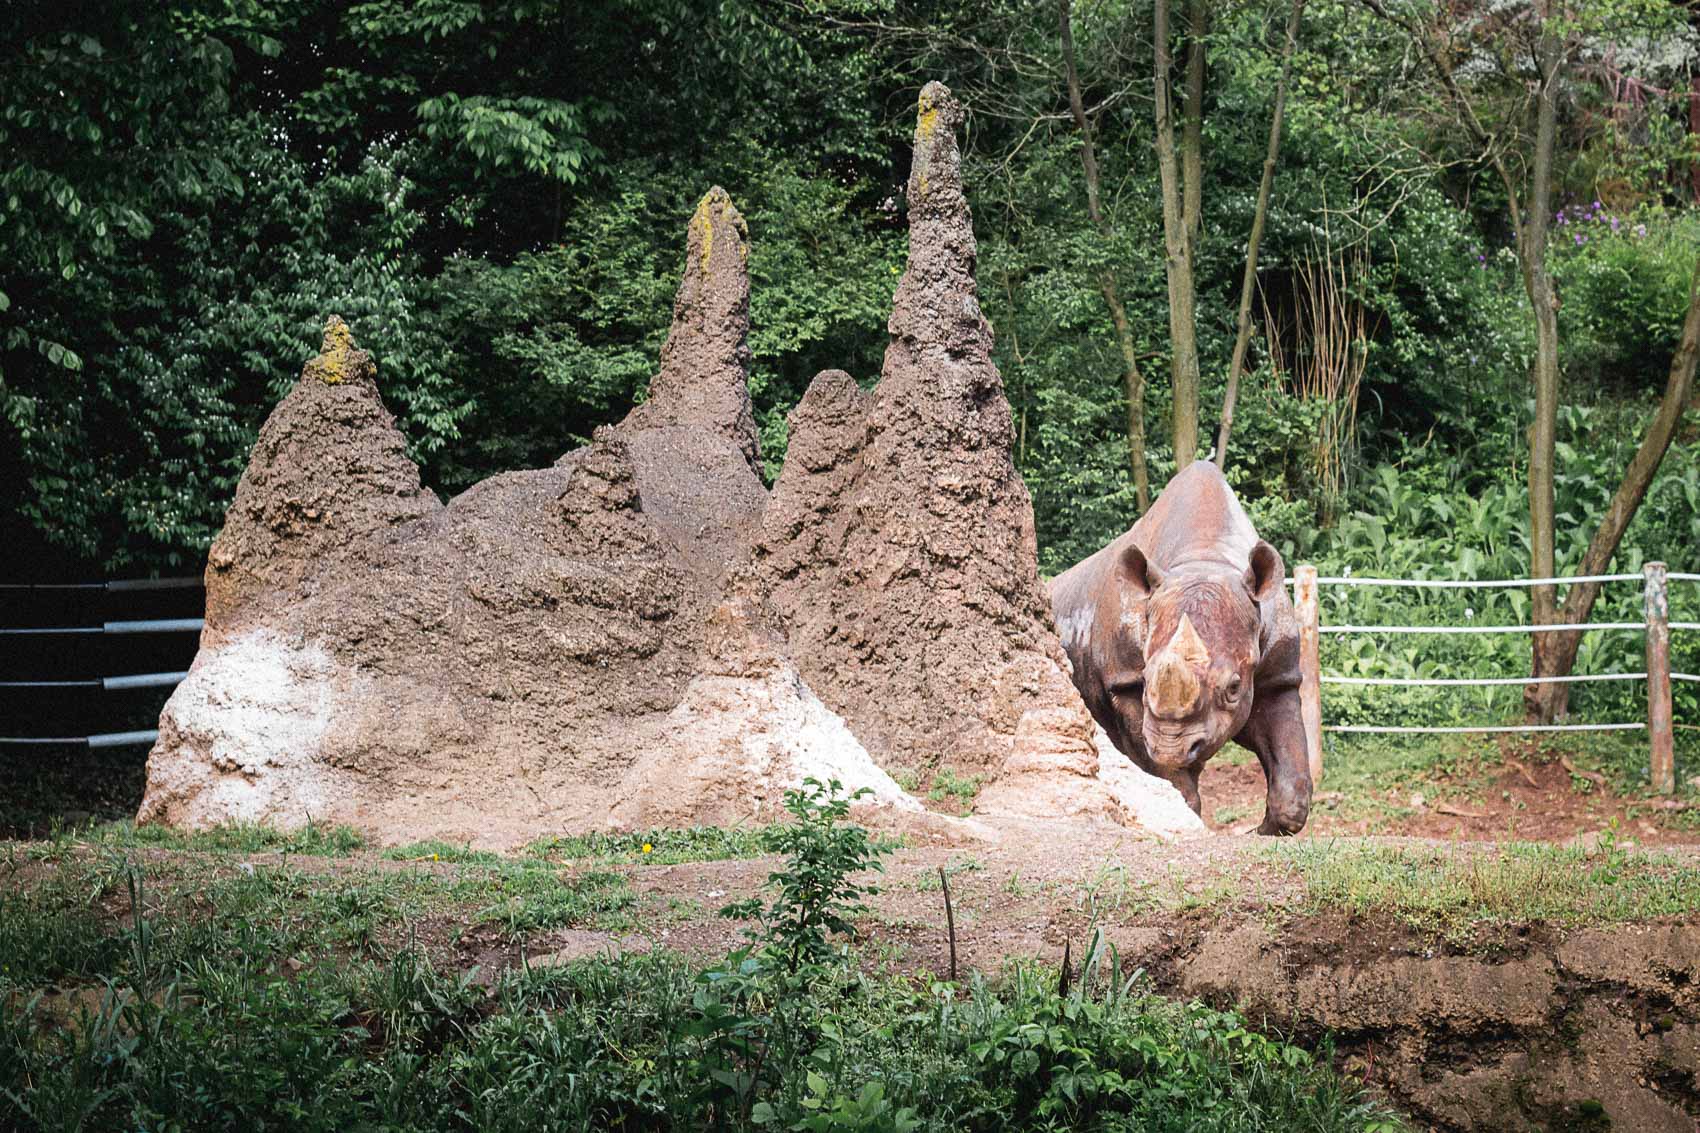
{"x":493,"y":195}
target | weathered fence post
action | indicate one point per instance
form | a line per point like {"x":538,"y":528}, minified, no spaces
{"x":1658,"y":680}
{"x":1310,"y":666}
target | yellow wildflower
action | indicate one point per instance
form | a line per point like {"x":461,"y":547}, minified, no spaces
{"x":648,"y":849}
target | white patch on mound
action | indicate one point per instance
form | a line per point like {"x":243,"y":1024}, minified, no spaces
{"x":1151,"y":803}
{"x":1052,"y":781}
{"x":240,"y":737}
{"x":736,"y":744}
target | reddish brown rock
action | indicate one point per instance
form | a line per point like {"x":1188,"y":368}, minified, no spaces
{"x":328,"y":471}
{"x":898,"y":545}
{"x":537,"y":656}
{"x":638,"y":635}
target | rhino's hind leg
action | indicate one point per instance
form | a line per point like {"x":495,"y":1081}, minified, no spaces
{"x":1276,"y":734}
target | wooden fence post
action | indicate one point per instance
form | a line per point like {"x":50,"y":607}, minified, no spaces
{"x":1310,"y":666}
{"x":1659,"y":731}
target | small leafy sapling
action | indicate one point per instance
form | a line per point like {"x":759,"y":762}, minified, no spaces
{"x":816,"y":894}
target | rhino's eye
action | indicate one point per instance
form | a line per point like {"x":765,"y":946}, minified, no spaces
{"x":1231,"y":690}
{"x":1133,"y":690}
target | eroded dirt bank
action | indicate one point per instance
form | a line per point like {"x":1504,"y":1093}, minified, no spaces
{"x":1503,"y":1026}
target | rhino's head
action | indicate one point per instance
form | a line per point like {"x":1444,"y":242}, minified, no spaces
{"x":1200,"y":648}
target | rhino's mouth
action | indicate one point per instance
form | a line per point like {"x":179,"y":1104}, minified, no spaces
{"x":1176,"y":748}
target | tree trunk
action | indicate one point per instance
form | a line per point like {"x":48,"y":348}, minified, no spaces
{"x":1551,"y":701}
{"x":1132,"y":380}
{"x":1177,"y":244}
{"x":1537,"y":280}
{"x":1248,"y":282}
{"x":1192,"y":126}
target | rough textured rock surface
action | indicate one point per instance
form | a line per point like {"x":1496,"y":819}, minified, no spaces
{"x":328,"y":471}
{"x":639,"y":635}
{"x":703,"y":382}
{"x":535,"y":656}
{"x":899,"y":548}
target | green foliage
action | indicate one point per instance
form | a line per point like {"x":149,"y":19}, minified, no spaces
{"x":817,"y":894}
{"x":657,"y":847}
{"x":198,"y":1027}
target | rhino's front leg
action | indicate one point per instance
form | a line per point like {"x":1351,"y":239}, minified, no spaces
{"x":1276,"y":734}
{"x":1186,"y":782}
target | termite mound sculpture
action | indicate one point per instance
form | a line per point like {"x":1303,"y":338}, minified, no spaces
{"x":639,"y":635}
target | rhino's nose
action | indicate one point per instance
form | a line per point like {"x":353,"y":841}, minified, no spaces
{"x":1193,"y":750}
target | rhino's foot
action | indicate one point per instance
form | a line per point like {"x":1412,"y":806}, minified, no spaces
{"x":1280,"y":826}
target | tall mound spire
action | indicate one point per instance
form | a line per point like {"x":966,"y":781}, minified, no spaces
{"x":329,"y":467}
{"x":704,"y":377}
{"x":936,"y":304}
{"x":898,"y":544}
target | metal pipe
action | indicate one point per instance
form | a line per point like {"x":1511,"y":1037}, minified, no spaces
{"x":105,"y":739}
{"x":115,"y":586}
{"x":110,"y":684}
{"x":1554,"y":628}
{"x":147,"y":625}
{"x":143,"y":680}
{"x":1483,"y":680}
{"x":1477,"y":584}
{"x":1416,"y":729}
{"x":123,"y":739}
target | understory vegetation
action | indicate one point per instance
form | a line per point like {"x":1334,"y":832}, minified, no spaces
{"x":259,"y":995}
{"x":494,"y":197}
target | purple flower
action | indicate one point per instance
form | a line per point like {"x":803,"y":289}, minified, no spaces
{"x":1598,"y":205}
{"x":1581,"y":239}
{"x":1614,"y":224}
{"x":1560,"y":218}
{"x":1640,"y":230}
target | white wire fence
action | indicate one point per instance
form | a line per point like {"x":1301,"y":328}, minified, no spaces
{"x":1657,"y":627}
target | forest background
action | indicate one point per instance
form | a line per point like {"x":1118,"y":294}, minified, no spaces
{"x":494,"y":195}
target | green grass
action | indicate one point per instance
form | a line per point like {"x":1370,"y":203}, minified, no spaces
{"x":948,"y":785}
{"x":1453,"y":890}
{"x":655,"y":847}
{"x":1364,"y":770}
{"x":70,"y":920}
{"x":314,"y":839}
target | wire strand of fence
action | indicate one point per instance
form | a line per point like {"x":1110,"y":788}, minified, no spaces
{"x":117,"y":585}
{"x":1676,"y":577}
{"x":1684,"y":677}
{"x":147,"y":625}
{"x":103,"y":739}
{"x":1556,"y":627}
{"x":1479,"y":584}
{"x":1412,"y":729}
{"x":1684,"y":625}
{"x":1414,"y":681}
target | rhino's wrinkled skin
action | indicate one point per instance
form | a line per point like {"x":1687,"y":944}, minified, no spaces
{"x":1182,"y":638}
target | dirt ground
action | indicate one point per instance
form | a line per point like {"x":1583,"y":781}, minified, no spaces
{"x":1511,"y":790}
{"x":1515,"y":1022}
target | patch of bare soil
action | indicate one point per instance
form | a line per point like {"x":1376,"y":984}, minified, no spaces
{"x":1524,"y":797}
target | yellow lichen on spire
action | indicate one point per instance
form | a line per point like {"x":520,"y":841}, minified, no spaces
{"x":339,"y":359}
{"x":929,"y":115}
{"x":926,"y":122}
{"x":703,"y":223}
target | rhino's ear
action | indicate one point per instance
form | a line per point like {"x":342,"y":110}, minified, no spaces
{"x":1137,"y":573}
{"x":1266,"y":574}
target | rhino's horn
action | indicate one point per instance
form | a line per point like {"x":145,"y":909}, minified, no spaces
{"x":1174,"y":683}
